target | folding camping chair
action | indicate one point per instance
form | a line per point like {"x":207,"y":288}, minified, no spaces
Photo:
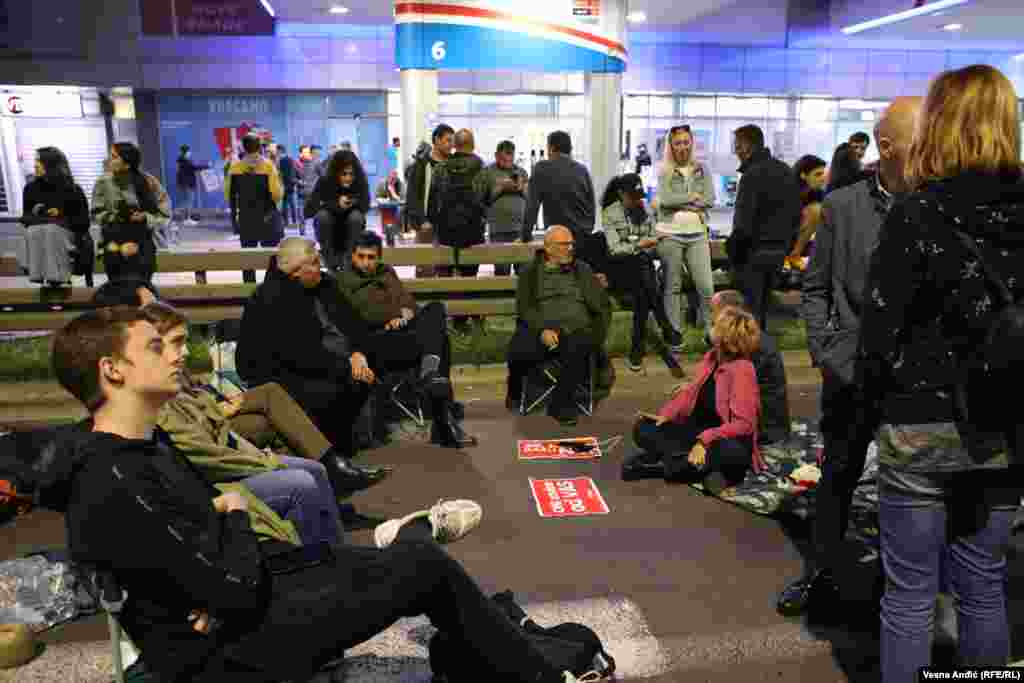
{"x":543,"y":379}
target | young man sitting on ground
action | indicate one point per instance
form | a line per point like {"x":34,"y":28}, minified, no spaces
{"x":205,"y":601}
{"x":400,"y":336}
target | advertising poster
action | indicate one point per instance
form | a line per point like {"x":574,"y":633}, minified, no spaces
{"x":576,"y":497}
{"x":582,"y":448}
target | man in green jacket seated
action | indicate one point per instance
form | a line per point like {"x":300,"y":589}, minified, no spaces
{"x":564,"y":312}
{"x":400,"y":336}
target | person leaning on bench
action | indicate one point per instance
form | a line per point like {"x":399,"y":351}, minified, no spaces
{"x":400,"y":336}
{"x":206,"y":602}
{"x":562,"y":310}
{"x":298,"y":331}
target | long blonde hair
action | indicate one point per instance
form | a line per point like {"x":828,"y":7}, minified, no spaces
{"x":969,"y":122}
{"x":668,"y":161}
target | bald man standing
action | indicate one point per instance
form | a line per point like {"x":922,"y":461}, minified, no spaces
{"x":833,"y":294}
{"x":457,"y":201}
{"x":563,"y":313}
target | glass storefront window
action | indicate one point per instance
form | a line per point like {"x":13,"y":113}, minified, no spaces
{"x":698,"y":106}
{"x":454,"y":103}
{"x":571,"y":105}
{"x":663,"y":106}
{"x":636,"y":106}
{"x":817,"y":110}
{"x":395,"y":103}
{"x":522,"y":105}
{"x":743,"y":107}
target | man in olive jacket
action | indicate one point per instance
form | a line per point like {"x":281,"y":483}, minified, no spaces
{"x":563,"y":311}
{"x":400,"y":336}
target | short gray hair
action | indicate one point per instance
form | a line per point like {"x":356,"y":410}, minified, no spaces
{"x":292,"y":252}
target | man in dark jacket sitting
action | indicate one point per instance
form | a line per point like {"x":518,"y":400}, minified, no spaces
{"x":562,"y":310}
{"x":298,"y":332}
{"x":205,"y":600}
{"x":400,"y":336}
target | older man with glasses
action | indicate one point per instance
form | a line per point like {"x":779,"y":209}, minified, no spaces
{"x":299,"y":332}
{"x":563,"y":312}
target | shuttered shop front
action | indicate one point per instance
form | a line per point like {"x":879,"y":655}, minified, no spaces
{"x":83,"y":141}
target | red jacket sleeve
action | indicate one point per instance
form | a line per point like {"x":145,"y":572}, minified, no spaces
{"x":677,"y":409}
{"x":744,"y":406}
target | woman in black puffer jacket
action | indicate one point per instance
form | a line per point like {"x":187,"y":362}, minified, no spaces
{"x":948,"y":483}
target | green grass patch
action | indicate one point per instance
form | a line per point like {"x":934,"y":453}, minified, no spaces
{"x":481,"y":343}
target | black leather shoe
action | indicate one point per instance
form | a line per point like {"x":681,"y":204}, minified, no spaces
{"x":818,"y":591}
{"x":447,"y":432}
{"x":642,"y":465}
{"x":512,"y":404}
{"x":347,"y":478}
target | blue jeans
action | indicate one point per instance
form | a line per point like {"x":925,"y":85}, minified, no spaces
{"x":301,"y":494}
{"x":187,"y":203}
{"x":962,"y":520}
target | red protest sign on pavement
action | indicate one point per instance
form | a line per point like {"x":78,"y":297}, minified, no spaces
{"x":576,"y":497}
{"x":581,"y":448}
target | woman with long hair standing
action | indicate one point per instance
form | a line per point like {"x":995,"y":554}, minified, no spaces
{"x":129,"y":205}
{"x":55,"y":212}
{"x":942,"y":351}
{"x":686,"y":192}
{"x":810,"y":173}
{"x":340,"y":202}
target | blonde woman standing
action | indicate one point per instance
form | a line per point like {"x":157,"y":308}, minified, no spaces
{"x":685,"y":194}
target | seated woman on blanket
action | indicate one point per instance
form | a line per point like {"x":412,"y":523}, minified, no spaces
{"x":707,"y":432}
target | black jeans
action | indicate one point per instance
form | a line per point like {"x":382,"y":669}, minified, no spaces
{"x":141,"y":265}
{"x":846,"y":449}
{"x":573,"y":352}
{"x":504,"y":238}
{"x":289,"y":208}
{"x":671,"y":444}
{"x":635,"y":274}
{"x":755,"y":279}
{"x":426,"y":334}
{"x":336,"y":232}
{"x":327,"y":609}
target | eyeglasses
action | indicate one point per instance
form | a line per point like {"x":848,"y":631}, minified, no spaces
{"x":563,"y":244}
{"x":314,"y":264}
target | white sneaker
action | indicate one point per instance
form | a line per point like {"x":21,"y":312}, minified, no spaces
{"x":450,"y":520}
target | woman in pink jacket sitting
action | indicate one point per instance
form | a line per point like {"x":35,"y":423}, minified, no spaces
{"x":708,"y":431}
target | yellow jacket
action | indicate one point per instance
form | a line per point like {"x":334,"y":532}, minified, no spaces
{"x":258,"y":166}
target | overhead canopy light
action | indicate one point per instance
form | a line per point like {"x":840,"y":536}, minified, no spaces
{"x":636,"y":17}
{"x":902,"y":16}
{"x":952,"y":27}
{"x":338,"y":9}
{"x":266,"y":6}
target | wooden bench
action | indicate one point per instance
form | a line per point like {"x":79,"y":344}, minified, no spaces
{"x":202,"y":262}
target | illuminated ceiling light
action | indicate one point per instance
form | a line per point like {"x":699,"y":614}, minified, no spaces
{"x":266,"y":6}
{"x":636,"y":17}
{"x":1020,"y":57}
{"x":902,"y":16}
{"x":338,"y":9}
{"x":952,"y":27}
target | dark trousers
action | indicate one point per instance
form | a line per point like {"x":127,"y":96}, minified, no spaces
{"x":463,"y":271}
{"x":426,"y":334}
{"x":846,"y":448}
{"x":503,"y":238}
{"x":573,"y":352}
{"x":289,"y":208}
{"x":322,"y":611}
{"x":635,"y":274}
{"x":141,"y":265}
{"x":754,"y":279}
{"x":336,"y":233}
{"x":332,"y":405}
{"x":671,"y":444}
{"x":248,"y":243}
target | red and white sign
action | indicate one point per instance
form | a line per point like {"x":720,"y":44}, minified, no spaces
{"x":229,"y":140}
{"x":582,"y":448}
{"x":577,"y":497}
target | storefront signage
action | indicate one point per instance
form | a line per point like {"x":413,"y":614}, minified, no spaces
{"x":537,"y":35}
{"x":206,"y":18}
{"x":42,"y":104}
{"x":239,"y":105}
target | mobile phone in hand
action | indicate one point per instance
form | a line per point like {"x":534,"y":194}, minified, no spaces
{"x":647,"y":416}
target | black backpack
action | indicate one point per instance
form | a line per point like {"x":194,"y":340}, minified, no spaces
{"x":568,"y":647}
{"x":983,"y":376}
